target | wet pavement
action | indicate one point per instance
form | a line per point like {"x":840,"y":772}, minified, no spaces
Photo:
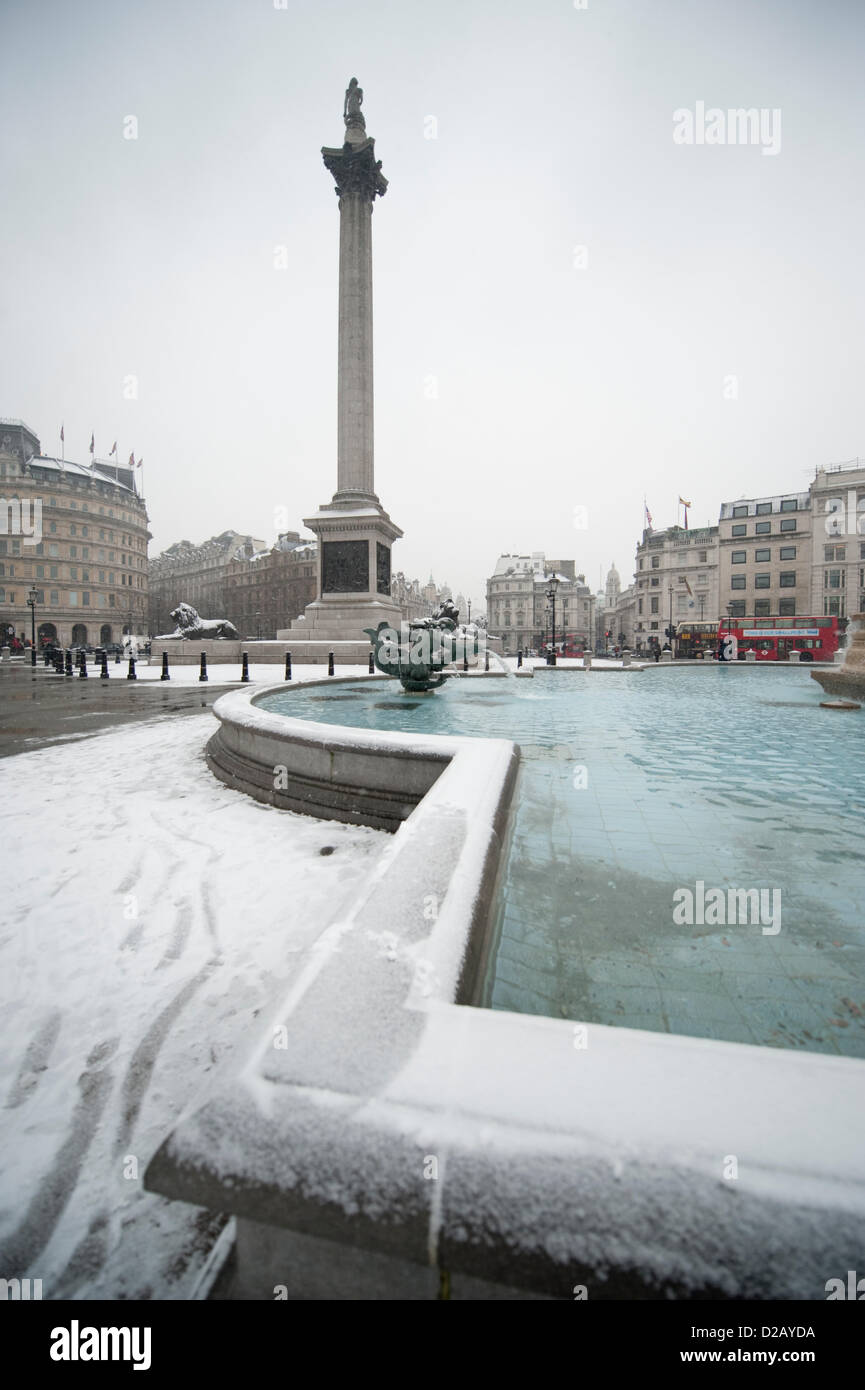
{"x":39,"y":708}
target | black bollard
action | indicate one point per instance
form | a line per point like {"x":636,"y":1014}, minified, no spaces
{"x":82,"y":669}
{"x":288,"y":666}
{"x":244,"y":675}
{"x":519,"y":657}
{"x":330,"y":663}
{"x":371,"y":664}
{"x":202,"y":675}
{"x":486,"y":660}
{"x":165,"y":676}
{"x":131,"y":673}
{"x":103,"y":674}
{"x":116,"y":658}
{"x":46,"y":657}
{"x":58,"y":662}
{"x":69,"y":671}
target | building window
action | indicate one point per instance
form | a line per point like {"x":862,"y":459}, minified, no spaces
{"x":738,"y":557}
{"x":834,"y":552}
{"x":656,"y":562}
{"x":737,"y":609}
{"x":763,"y":508}
{"x":762,"y":556}
{"x":834,"y":579}
{"x":762,"y":608}
{"x":654,"y":608}
{"x":741,"y":511}
{"x":833,"y":607}
{"x":762,"y":581}
{"x":73,"y":599}
{"x":85,"y":599}
{"x":788,"y":523}
{"x":787,"y":579}
{"x":787,"y":552}
{"x":789,"y":504}
{"x":764,"y":528}
{"x":740,"y":530}
{"x":787,"y":607}
{"x":738,"y":581}
{"x":55,"y":596}
{"x":655,"y":583}
{"x":701,"y":557}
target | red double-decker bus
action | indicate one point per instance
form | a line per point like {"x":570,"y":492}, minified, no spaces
{"x":773,"y":639}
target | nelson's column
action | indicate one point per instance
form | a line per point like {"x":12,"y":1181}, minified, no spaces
{"x":354,"y":531}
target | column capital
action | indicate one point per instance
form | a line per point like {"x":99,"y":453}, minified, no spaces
{"x":355,"y":169}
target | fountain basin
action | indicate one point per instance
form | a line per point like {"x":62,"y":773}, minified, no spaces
{"x":395,"y":1142}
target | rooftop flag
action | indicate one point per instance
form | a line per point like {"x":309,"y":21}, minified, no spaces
{"x":92,"y":443}
{"x":113,"y":448}
{"x":131,"y":463}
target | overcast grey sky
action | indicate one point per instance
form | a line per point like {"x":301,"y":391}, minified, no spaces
{"x":517,"y":378}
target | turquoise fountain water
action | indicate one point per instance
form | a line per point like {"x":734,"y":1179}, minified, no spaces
{"x":635,"y":786}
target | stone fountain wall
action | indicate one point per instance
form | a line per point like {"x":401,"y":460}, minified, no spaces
{"x":849,"y":678}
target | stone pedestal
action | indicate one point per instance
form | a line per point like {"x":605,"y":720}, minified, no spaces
{"x":354,"y":572}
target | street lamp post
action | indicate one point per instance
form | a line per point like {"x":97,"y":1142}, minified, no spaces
{"x":258,"y":625}
{"x":670,"y":628}
{"x":32,"y":600}
{"x":551,"y":595}
{"x":721,"y":656}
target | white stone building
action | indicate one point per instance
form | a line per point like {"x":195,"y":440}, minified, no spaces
{"x":675,"y":580}
{"x":519,"y":611}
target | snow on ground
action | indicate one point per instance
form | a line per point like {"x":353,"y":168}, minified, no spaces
{"x":151,"y":915}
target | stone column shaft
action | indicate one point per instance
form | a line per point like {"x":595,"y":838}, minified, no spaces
{"x":355,"y":457}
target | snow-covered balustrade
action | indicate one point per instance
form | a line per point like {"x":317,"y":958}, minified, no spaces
{"x":387,"y":1139}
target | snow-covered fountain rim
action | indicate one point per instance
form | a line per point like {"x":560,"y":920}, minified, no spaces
{"x":241,"y":708}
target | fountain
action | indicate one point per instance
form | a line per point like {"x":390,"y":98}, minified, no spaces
{"x":849,"y":679}
{"x":419,"y":662}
